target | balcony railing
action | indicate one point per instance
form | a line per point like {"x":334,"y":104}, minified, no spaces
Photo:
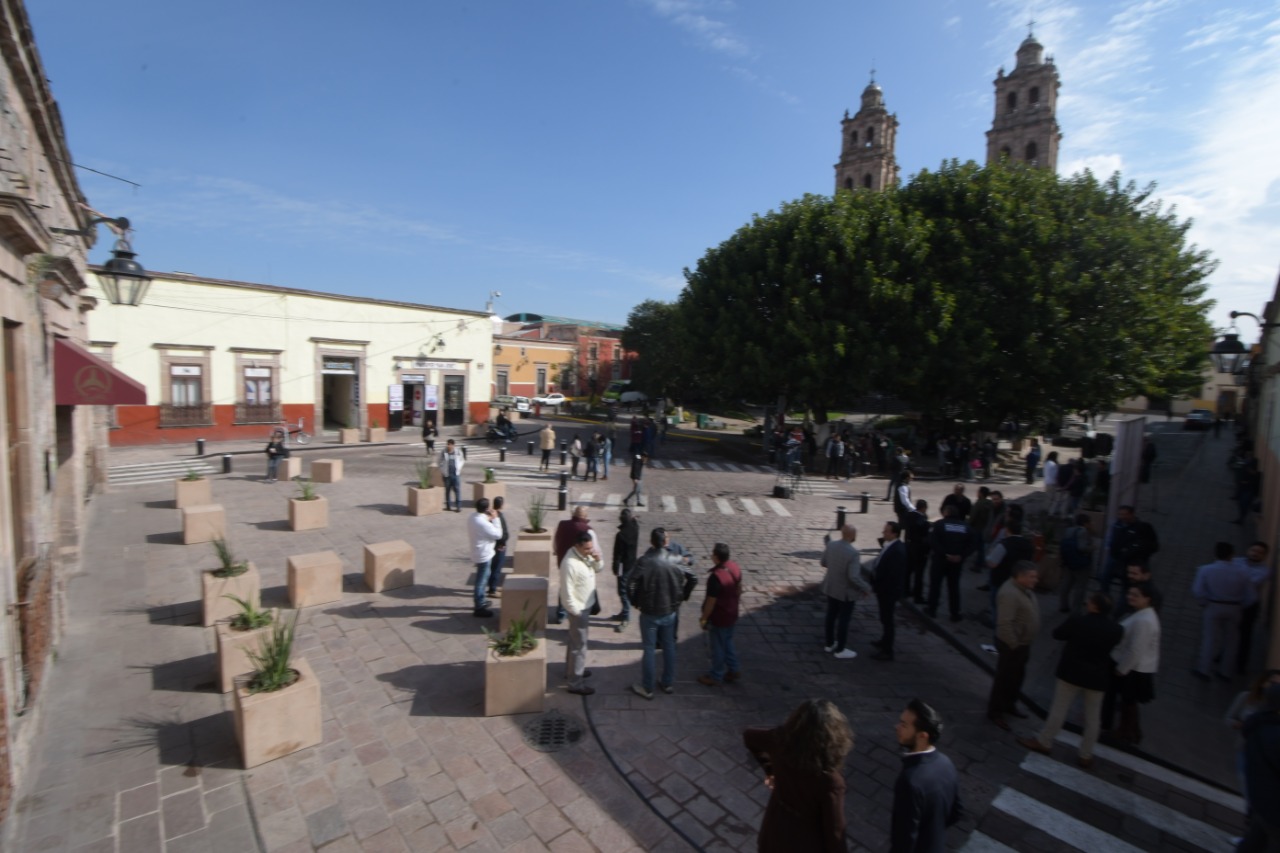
{"x":258,"y":413}
{"x":200,"y":414}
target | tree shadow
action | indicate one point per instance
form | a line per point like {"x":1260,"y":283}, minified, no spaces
{"x":170,"y":537}
{"x":181,"y":613}
{"x":203,"y":742}
{"x":196,"y":674}
{"x":442,"y":689}
{"x":386,"y":508}
{"x":273,"y":524}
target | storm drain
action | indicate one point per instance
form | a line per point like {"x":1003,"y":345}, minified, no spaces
{"x":552,"y":732}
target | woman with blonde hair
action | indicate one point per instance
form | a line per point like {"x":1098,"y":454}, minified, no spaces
{"x":803,"y":759}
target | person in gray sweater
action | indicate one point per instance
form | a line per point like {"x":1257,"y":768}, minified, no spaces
{"x":843,"y":586}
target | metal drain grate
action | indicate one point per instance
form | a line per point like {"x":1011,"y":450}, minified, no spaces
{"x":552,"y":732}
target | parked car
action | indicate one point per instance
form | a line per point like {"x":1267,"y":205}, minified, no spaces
{"x":1198,"y":419}
{"x":554,"y":399}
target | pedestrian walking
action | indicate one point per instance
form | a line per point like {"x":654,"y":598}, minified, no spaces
{"x":1137,"y":659}
{"x":277,"y":449}
{"x":484,"y":530}
{"x":1075,"y":552}
{"x":499,"y":548}
{"x":637,"y":477}
{"x":915,"y":532}
{"x":429,"y":435}
{"x":951,"y":541}
{"x":1051,"y":476}
{"x":1130,"y":541}
{"x":451,"y":462}
{"x":1084,"y":670}
{"x":546,"y":443}
{"x":575,"y":455}
{"x":590,"y":449}
{"x":835,"y":456}
{"x":1032,"y":461}
{"x":720,"y":617}
{"x":625,"y":544}
{"x":902,"y":503}
{"x":578,"y":594}
{"x":605,"y":452}
{"x":926,"y":795}
{"x":803,"y":761}
{"x":1017,"y":623}
{"x":656,"y":588}
{"x":1223,"y":589}
{"x":889,"y":582}
{"x":843,"y":585}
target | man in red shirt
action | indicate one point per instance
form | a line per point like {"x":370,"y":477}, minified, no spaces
{"x":720,"y":615}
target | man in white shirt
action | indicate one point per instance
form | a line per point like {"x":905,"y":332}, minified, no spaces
{"x":451,"y":462}
{"x":578,"y":595}
{"x":484,"y":530}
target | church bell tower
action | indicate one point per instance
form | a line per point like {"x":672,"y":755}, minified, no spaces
{"x":1025,"y":129}
{"x":866,"y":153}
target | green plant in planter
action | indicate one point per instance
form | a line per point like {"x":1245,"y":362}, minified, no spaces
{"x":375,"y":424}
{"x":229,"y":566}
{"x":192,"y":474}
{"x":271,"y":662}
{"x":535,"y":512}
{"x":249,"y":618}
{"x":519,"y":638}
{"x":306,"y":489}
{"x":423,"y":469}
{"x":490,"y":475}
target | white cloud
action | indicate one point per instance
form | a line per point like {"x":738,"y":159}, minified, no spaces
{"x":1102,"y":165}
{"x":952,"y":22}
{"x":714,"y":35}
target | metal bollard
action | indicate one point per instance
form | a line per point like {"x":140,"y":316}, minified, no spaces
{"x":530,"y":446}
{"x":839,"y":518}
{"x":564,"y":480}
{"x":226,"y":463}
{"x":199,"y":447}
{"x":866,"y":503}
{"x":564,"y":498}
{"x":564,"y":445}
{"x":464,"y":451}
{"x":502,"y":454}
{"x":564,"y":455}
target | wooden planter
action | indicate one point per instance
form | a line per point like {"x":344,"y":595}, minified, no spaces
{"x":233,"y":653}
{"x":213,"y":588}
{"x":425,"y":501}
{"x":308,"y":515}
{"x":488,"y":490}
{"x":192,"y":492}
{"x":349,"y":436}
{"x":377,"y":434}
{"x":515,"y":685}
{"x":533,"y":554}
{"x":272,"y":725}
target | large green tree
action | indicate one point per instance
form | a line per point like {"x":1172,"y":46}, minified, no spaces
{"x":666,"y":365}
{"x":974,"y":292}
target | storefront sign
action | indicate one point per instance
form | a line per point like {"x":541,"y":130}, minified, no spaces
{"x":438,"y":365}
{"x":258,"y":372}
{"x":410,"y":378}
{"x":395,"y":398}
{"x":431,"y":397}
{"x":339,"y":366}
{"x":184,"y":370}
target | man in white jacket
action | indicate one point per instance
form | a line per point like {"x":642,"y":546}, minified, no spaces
{"x":484,"y":530}
{"x":578,"y":594}
{"x":451,"y":462}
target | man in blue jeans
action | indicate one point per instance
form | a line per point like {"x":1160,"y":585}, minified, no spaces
{"x":451,"y":462}
{"x":656,"y":589}
{"x":484,"y":530}
{"x":720,"y":616}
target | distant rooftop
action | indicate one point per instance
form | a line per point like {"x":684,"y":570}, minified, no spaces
{"x":527,"y":317}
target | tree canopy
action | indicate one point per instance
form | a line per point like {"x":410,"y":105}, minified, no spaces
{"x":976,"y":292}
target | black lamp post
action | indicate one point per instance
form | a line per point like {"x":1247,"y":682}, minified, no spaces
{"x":1227,"y":353}
{"x":123,"y":279}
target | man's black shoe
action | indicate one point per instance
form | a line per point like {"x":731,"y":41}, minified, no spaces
{"x":586,"y":673}
{"x":582,"y":691}
{"x":482,"y":612}
{"x":618,"y":617}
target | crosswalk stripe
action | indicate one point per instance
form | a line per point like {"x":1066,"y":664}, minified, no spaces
{"x":696,"y":507}
{"x":668,"y":503}
{"x":979,"y":843}
{"x":724,"y":506}
{"x":657,"y":463}
{"x":694,"y":466}
{"x":613,"y":499}
{"x":713,"y":466}
{"x":778,"y":508}
{"x":751,"y":507}
{"x":584,"y":498}
{"x":729,"y":466}
{"x":1059,"y":825}
{"x":641,"y":507}
{"x":1148,"y":811}
{"x":1194,"y":787}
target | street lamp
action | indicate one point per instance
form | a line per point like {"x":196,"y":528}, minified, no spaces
{"x":123,"y":279}
{"x":1227,"y":353}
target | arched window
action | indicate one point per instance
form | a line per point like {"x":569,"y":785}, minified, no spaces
{"x":854,"y":140}
{"x":1031,"y":152}
{"x":866,"y":180}
{"x":871,"y":136}
{"x":1035,"y":94}
{"x":848,"y":183}
{"x":1011,"y":101}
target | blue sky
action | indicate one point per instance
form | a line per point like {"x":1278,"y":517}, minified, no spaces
{"x":576,"y":155}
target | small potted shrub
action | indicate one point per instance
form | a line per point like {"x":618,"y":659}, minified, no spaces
{"x":277,"y":704}
{"x":233,"y":578}
{"x":308,"y":511}
{"x":533,"y":554}
{"x":349,"y":435}
{"x":515,"y":669}
{"x":489,"y":487}
{"x":424,"y":497}
{"x":193,"y":489}
{"x":377,"y":432}
{"x":245,"y":630}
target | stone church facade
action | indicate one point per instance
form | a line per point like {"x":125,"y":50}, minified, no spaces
{"x":1024,"y":129}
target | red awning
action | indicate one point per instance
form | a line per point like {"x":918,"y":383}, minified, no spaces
{"x":83,"y":379}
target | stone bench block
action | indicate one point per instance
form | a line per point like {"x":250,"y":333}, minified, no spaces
{"x":349,"y":436}
{"x":326,"y":470}
{"x":524,"y":595}
{"x":203,"y":523}
{"x":289,"y":468}
{"x":315,"y":578}
{"x":533,"y":556}
{"x":488,"y":490}
{"x":388,"y":565}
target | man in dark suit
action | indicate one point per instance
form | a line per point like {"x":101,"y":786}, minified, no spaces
{"x":888,"y":582}
{"x":926,"y":796}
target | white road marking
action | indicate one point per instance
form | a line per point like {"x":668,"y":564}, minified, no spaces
{"x":724,"y":506}
{"x":751,"y":507}
{"x":712,"y":466}
{"x":1059,"y":825}
{"x":669,"y":504}
{"x":584,"y":498}
{"x":614,"y":499}
{"x":778,"y":508}
{"x":979,"y":843}
{"x":696,"y":507}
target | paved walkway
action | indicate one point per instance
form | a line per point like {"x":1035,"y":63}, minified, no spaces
{"x":138,"y":752}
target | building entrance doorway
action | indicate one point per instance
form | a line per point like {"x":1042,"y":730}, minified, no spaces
{"x":341,"y":391}
{"x":454,"y":401}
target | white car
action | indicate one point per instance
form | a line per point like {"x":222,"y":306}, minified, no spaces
{"x":556,"y":399}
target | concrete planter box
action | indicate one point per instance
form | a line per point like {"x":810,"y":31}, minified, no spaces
{"x":192,"y":493}
{"x":377,"y":434}
{"x":326,"y":470}
{"x":349,"y":436}
{"x":233,"y":653}
{"x":425,"y":501}
{"x":203,"y":523}
{"x":289,"y":468}
{"x":308,"y":515}
{"x":533,"y":556}
{"x":488,"y":490}
{"x":524,"y":596}
{"x":540,"y":536}
{"x":388,"y":565}
{"x":515,"y":685}
{"x":213,"y":588}
{"x":273,"y":725}
{"x":314,"y":579}
{"x":471,"y":430}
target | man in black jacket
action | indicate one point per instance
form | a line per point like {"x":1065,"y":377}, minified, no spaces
{"x":926,"y":797}
{"x":952,"y":541}
{"x":656,"y":588}
{"x":915,"y":530}
{"x":889,"y":582}
{"x":1084,"y":669}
